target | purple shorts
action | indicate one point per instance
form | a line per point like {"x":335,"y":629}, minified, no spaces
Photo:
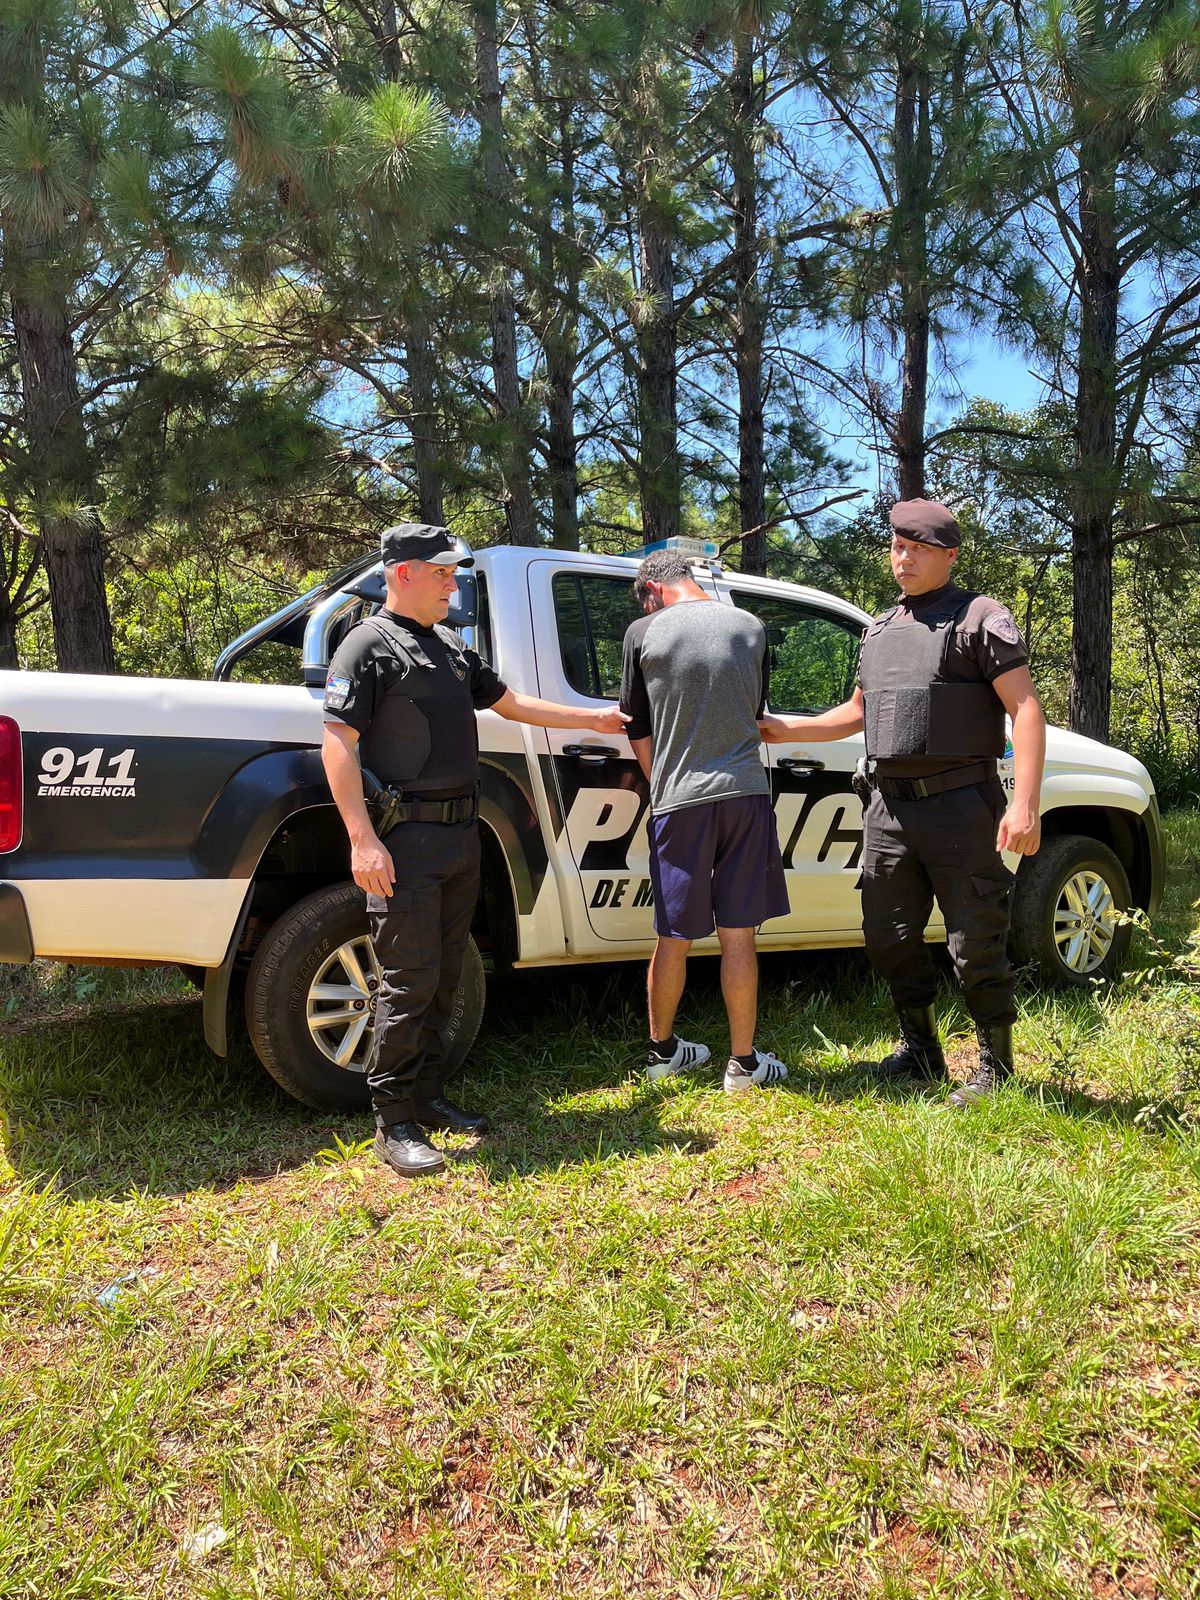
{"x":717,"y":861}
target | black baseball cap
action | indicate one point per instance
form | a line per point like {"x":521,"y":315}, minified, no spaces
{"x":928,"y":522}
{"x":423,"y":541}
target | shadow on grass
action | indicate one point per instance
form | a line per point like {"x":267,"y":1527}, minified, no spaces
{"x":105,"y":1105}
{"x":844,"y":1083}
{"x":859,"y":1009}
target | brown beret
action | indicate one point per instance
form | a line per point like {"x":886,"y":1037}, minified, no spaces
{"x":928,"y":522}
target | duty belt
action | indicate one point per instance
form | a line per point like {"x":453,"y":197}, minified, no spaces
{"x":398,"y":808}
{"x":936,"y":783}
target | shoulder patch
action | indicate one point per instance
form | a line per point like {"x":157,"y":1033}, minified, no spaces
{"x":337,"y":692}
{"x":1002,"y":625}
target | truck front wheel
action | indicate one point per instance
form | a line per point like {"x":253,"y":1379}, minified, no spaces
{"x":310,"y":1000}
{"x":1065,"y":912}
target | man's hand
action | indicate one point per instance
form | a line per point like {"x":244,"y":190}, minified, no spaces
{"x":837,"y":723}
{"x":1020,"y":830}
{"x":372,"y":867}
{"x":774,"y":730}
{"x":609,"y":721}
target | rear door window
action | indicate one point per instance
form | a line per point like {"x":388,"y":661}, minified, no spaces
{"x":592,"y":613}
{"x":813,"y":654}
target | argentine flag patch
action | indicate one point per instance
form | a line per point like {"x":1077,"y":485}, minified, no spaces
{"x":337,"y":692}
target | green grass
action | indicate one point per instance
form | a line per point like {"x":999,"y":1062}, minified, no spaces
{"x":822,"y":1342}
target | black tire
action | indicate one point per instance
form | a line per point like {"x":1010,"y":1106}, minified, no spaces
{"x":1062,"y":912}
{"x":309,"y":942}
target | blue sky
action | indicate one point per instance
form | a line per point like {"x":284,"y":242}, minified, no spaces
{"x":983,"y":369}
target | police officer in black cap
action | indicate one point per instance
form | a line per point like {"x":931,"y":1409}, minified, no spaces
{"x":402,"y":693}
{"x":937,"y":674}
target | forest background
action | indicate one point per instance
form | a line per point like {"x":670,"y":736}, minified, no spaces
{"x":278,"y":273}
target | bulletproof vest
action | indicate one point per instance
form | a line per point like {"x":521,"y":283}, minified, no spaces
{"x":910,"y":706}
{"x":399,"y":740}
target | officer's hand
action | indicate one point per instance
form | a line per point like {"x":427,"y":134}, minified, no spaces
{"x":1020,"y":831}
{"x":609,"y":721}
{"x":774,"y":730}
{"x":372,"y":867}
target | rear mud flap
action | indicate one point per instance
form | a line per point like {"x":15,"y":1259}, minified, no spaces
{"x":216,"y":990}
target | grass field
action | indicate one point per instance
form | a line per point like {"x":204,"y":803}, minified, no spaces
{"x":827,"y":1341}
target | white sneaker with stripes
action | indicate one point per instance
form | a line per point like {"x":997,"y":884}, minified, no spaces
{"x":687,"y":1056}
{"x":769,"y":1071}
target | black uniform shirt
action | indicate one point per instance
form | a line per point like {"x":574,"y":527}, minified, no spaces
{"x":986,"y":643}
{"x":412,"y":697}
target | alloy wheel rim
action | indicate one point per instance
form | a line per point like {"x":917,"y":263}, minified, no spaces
{"x":1085,"y":921}
{"x":341,"y":1004}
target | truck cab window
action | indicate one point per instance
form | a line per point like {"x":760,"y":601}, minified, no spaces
{"x":592,"y":614}
{"x":813,"y":654}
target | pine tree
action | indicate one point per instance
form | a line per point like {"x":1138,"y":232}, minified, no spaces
{"x":1103,"y":104}
{"x":909,"y":90}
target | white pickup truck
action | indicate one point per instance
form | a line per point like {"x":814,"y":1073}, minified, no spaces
{"x":165,"y":821}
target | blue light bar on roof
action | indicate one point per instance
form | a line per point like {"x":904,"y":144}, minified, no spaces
{"x":693,"y":549}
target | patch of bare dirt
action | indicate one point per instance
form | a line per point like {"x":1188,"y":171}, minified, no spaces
{"x":1124,"y":1584}
{"x":910,"y":1551}
{"x":748,"y":1186}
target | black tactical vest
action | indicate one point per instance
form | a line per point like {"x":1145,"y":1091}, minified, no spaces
{"x":910,"y":707}
{"x":398,"y":745}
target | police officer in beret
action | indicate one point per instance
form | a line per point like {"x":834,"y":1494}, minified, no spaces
{"x":936,"y":676}
{"x":402,"y":693}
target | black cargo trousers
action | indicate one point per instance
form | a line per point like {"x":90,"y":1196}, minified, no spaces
{"x":943,"y":845}
{"x":420,"y":935}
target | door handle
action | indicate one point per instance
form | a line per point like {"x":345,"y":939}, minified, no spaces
{"x":800,"y":764}
{"x":592,"y":755}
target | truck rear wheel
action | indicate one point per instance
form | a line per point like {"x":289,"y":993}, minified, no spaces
{"x":310,"y":1000}
{"x":1065,"y":912}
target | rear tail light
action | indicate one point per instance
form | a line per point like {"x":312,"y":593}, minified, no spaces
{"x":10,"y":785}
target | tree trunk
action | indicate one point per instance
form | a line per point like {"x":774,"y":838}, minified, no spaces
{"x":8,"y":635}
{"x":63,"y":485}
{"x":387,"y":33}
{"x":656,"y":362}
{"x":516,"y":447}
{"x":561,"y":358}
{"x":749,"y":313}
{"x":419,"y":361}
{"x":914,"y":156}
{"x":559,"y":334}
{"x":423,"y":415}
{"x":1093,"y":494}
{"x":657,"y":385}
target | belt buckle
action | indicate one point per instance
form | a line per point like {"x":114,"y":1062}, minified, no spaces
{"x":919,"y":788}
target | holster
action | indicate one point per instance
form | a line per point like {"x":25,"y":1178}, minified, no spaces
{"x":861,"y":781}
{"x":387,"y":808}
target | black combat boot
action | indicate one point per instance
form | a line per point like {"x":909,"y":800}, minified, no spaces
{"x":404,"y":1147}
{"x":995,"y":1064}
{"x":442,"y":1114}
{"x":920,"y":1053}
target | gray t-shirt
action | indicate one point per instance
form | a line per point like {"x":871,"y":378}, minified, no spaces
{"x":694,"y":679}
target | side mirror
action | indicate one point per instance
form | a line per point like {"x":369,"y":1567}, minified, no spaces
{"x":464,"y":608}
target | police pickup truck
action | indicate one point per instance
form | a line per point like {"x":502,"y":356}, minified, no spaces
{"x":149,"y":821}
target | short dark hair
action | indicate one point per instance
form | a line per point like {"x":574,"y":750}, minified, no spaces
{"x":664,"y":566}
